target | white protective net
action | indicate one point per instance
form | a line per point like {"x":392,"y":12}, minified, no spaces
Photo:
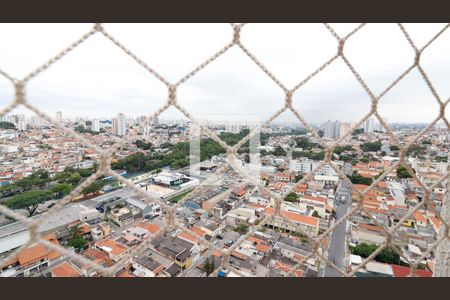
{"x":441,"y":244}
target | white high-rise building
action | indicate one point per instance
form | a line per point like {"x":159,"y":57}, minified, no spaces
{"x":21,"y":124}
{"x":379,"y":127}
{"x":8,"y":118}
{"x":96,"y":125}
{"x":306,"y":166}
{"x":331,"y":129}
{"x":146,"y":130}
{"x":337,"y":129}
{"x":114,"y":126}
{"x":328,"y":130}
{"x":344,"y":128}
{"x":35,"y":121}
{"x":369,"y":125}
{"x":59,"y":117}
{"x":82,"y":122}
{"x":303,"y":166}
{"x":121,"y":124}
{"x":233,"y":127}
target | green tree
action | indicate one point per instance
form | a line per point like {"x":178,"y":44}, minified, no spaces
{"x":35,"y":181}
{"x":143,"y":145}
{"x":320,"y":133}
{"x":387,"y":255}
{"x":371,"y":146}
{"x":358,"y":179}
{"x":85,"y":172}
{"x":366,"y":159}
{"x":315,"y":214}
{"x":291,"y":197}
{"x":209,"y":265}
{"x":304,"y":143}
{"x":441,"y":158}
{"x":309,"y":154}
{"x":279,"y":151}
{"x":241,"y":228}
{"x":62,"y":189}
{"x":357,"y":131}
{"x":29,"y":200}
{"x":415,"y":150}
{"x":81,"y":129}
{"x":402,"y":172}
{"x":166,"y":145}
{"x":298,"y":177}
{"x":74,"y":179}
{"x":94,"y":187}
{"x":346,"y":158}
{"x":76,"y":239}
{"x":7,"y":125}
{"x":339,"y":149}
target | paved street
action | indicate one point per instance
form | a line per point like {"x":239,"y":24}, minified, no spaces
{"x":336,"y":250}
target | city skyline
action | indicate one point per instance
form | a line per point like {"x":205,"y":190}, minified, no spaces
{"x":332,"y":192}
{"x":85,"y":82}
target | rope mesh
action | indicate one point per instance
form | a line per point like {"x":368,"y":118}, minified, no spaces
{"x":441,"y":245}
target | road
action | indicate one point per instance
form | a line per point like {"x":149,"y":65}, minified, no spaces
{"x":336,"y":249}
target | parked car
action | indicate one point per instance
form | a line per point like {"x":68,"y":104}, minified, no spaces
{"x":151,"y":217}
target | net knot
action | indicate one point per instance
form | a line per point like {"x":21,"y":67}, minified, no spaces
{"x":20,"y":92}
{"x":172,"y":94}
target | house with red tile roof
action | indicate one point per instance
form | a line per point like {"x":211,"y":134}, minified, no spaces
{"x":306,"y":223}
{"x":401,"y":271}
{"x":366,"y":233}
{"x":32,"y":260}
{"x":114,"y":249}
{"x":65,"y":270}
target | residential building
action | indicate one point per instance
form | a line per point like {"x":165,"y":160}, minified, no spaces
{"x":59,"y":117}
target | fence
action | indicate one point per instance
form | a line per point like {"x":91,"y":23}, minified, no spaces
{"x":442,"y":244}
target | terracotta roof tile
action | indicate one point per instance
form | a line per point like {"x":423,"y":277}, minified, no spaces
{"x":65,"y":270}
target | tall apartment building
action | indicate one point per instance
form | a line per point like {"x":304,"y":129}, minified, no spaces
{"x":122,"y":124}
{"x":344,"y":128}
{"x":368,"y":125}
{"x":379,"y":126}
{"x":35,"y":121}
{"x":371,"y":125}
{"x":331,"y":129}
{"x":59,"y":117}
{"x":96,"y":125}
{"x":5,"y":118}
{"x":119,"y":125}
{"x":21,"y":123}
{"x":146,"y":130}
{"x":82,"y":122}
{"x":305,"y":166}
{"x":114,"y":126}
{"x":233,"y":127}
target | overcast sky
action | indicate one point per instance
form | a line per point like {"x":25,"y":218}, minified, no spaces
{"x":97,"y":79}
